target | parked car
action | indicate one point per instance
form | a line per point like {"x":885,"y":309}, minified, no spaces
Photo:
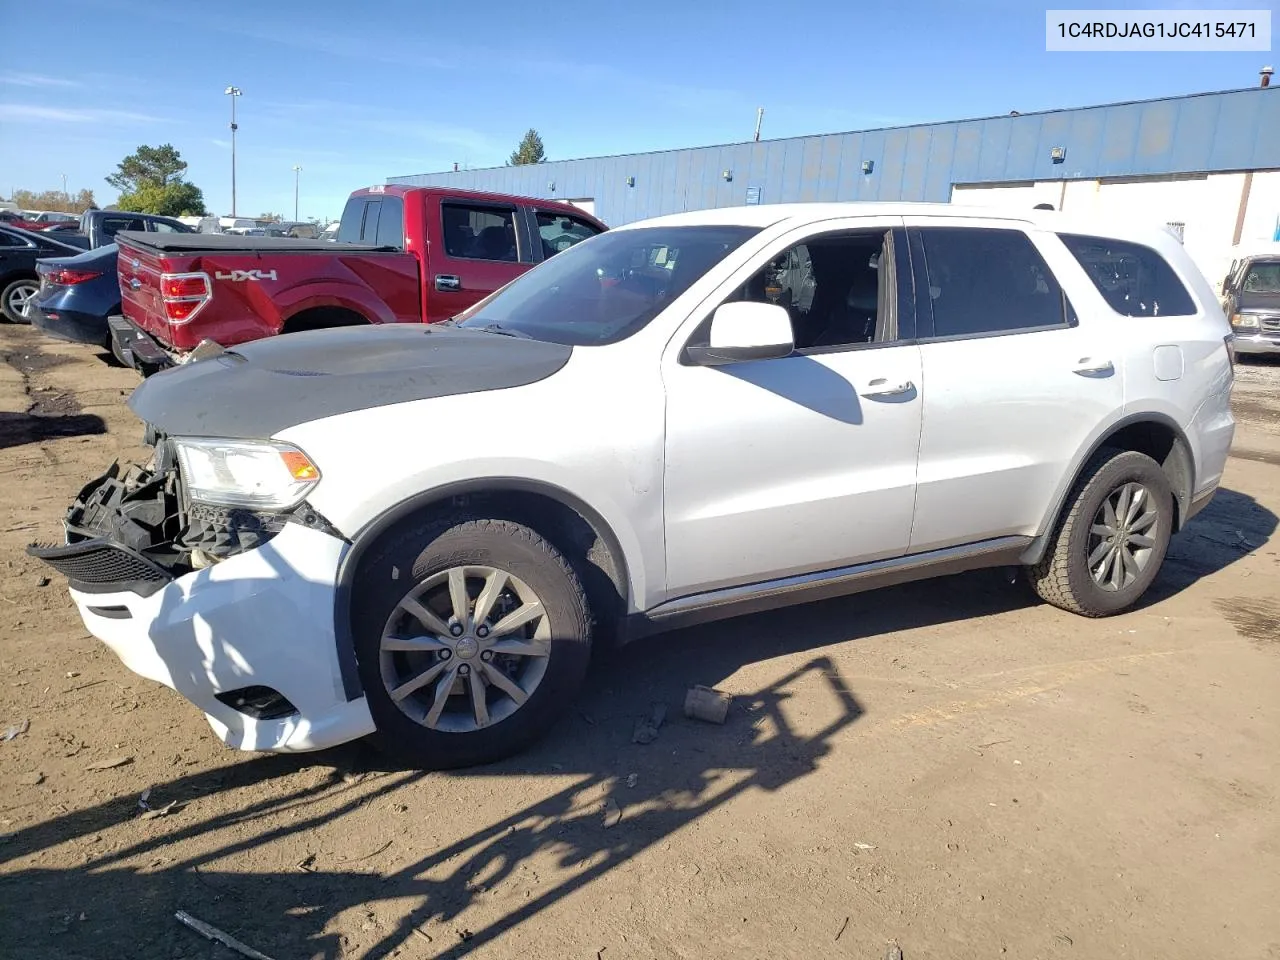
{"x":20,"y":249}
{"x":1251,"y":299}
{"x":77,"y":295}
{"x":422,"y":531}
{"x":405,"y":255}
{"x":101,"y":226}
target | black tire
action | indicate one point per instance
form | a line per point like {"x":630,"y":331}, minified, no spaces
{"x":408,"y":560}
{"x":9,"y":313}
{"x":1063,"y":577}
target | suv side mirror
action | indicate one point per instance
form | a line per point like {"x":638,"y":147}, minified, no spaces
{"x":746,"y":331}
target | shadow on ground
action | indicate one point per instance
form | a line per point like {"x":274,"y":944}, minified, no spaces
{"x":17,"y":429}
{"x":691,"y":771}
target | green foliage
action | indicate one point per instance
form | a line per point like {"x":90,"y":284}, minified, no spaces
{"x":54,"y":200}
{"x":177,"y":199}
{"x":148,"y":166}
{"x":529,"y":151}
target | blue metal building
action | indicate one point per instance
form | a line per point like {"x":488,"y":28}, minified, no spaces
{"x":1208,"y":133}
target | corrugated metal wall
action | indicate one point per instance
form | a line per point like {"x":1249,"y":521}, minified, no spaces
{"x":1236,"y":130}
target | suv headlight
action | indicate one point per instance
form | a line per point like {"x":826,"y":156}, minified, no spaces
{"x":1245,"y":321}
{"x":258,"y":474}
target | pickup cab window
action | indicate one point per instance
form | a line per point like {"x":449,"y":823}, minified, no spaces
{"x":113,"y":225}
{"x":560,"y":232}
{"x":360,"y":220}
{"x":479,"y":232}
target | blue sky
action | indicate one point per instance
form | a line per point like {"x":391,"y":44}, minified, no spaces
{"x":356,"y":92}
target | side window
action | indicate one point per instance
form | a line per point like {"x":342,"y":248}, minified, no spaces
{"x":1133,"y":279}
{"x":113,"y":225}
{"x":9,"y":240}
{"x":479,"y":232}
{"x":841,"y":290}
{"x":159,"y":226}
{"x":560,"y":232}
{"x":390,"y":230}
{"x":989,"y":282}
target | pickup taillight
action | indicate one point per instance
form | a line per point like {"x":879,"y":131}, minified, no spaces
{"x":184,"y":294}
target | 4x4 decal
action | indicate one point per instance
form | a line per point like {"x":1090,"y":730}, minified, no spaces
{"x":239,"y":276}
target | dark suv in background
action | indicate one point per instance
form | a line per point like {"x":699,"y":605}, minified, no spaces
{"x":1251,"y":300}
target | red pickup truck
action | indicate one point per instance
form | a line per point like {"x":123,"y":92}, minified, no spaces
{"x":403,"y":255}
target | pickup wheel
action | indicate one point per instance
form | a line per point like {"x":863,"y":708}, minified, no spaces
{"x":472,"y":637}
{"x":1112,"y":538}
{"x":17,"y":298}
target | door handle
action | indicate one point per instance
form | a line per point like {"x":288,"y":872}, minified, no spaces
{"x":880,"y":387}
{"x":448,"y":282}
{"x":1087,"y":366}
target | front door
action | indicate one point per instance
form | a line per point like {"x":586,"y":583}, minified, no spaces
{"x":807,"y":462}
{"x":480,"y":251}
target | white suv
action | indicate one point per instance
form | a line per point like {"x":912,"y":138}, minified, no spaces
{"x":420,"y":531}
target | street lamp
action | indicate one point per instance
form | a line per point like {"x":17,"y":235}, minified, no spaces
{"x":233,"y":92}
{"x":64,"y":187}
{"x":297,"y":172}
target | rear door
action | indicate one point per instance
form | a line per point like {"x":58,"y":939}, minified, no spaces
{"x":481,"y":248}
{"x":554,"y":232}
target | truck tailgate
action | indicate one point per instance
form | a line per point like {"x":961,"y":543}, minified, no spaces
{"x":139,"y":271}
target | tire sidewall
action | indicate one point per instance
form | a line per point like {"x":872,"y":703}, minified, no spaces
{"x":387,"y":577}
{"x":1123,"y":468}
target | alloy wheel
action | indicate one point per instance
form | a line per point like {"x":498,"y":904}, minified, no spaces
{"x":465,"y":648}
{"x":1122,"y":537}
{"x":22,"y":298}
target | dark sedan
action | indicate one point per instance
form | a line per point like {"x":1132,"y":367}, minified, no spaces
{"x":19,"y":252}
{"x":76,"y":296}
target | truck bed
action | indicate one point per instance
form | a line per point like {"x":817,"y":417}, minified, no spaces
{"x":194,"y":243}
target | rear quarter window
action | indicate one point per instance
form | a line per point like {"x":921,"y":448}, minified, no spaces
{"x":1134,"y":280}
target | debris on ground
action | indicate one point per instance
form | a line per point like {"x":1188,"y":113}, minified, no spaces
{"x":158,"y":812}
{"x":32,"y":779}
{"x":843,"y":926}
{"x":893,"y":953}
{"x":633,"y":779}
{"x":646,"y":730}
{"x":110,"y":763}
{"x":307,"y":863}
{"x":1064,"y":940}
{"x":612,"y":813}
{"x":218,"y":936}
{"x":16,"y":730}
{"x":706,"y":703}
{"x":864,"y":846}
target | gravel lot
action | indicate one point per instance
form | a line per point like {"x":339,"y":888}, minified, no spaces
{"x":952,"y":766}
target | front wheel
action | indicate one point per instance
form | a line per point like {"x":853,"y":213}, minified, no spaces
{"x":1109,"y":545}
{"x":472,"y":637}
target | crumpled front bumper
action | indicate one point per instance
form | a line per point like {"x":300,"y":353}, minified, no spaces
{"x":232,"y":610}
{"x":260,"y":619}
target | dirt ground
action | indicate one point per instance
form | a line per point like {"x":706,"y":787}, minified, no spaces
{"x":951,"y":766}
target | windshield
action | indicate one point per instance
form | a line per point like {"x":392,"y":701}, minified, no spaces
{"x":1262,"y":276}
{"x":604,"y":289}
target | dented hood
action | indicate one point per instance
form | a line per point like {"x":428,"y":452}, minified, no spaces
{"x":256,"y":390}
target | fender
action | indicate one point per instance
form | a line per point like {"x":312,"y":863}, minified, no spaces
{"x":332,"y":293}
{"x":1035,"y":551}
{"x":369,"y":534}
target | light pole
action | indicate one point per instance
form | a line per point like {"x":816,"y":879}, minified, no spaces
{"x":233,"y":92}
{"x":64,"y":187}
{"x":297,"y":173}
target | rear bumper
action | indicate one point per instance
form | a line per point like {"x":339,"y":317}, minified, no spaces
{"x":136,"y":348}
{"x":72,"y":326}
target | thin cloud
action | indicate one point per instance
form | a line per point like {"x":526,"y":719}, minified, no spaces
{"x":28,"y":111}
{"x":35,"y":80}
{"x":224,"y":144}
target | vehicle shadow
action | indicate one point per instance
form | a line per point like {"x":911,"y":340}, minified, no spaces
{"x":562,"y":794}
{"x":17,"y":429}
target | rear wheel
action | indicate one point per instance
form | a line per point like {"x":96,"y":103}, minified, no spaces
{"x":472,"y":637}
{"x":1109,"y":545}
{"x":18,"y":298}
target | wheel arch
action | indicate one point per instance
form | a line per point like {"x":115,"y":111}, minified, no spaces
{"x":1155,"y":434}
{"x":559,"y":516}
{"x":322,"y":317}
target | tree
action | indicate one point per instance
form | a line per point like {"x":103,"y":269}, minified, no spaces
{"x":529,"y":151}
{"x":150,"y":180}
{"x":148,"y":166}
{"x":180,"y":199}
{"x":54,"y":200}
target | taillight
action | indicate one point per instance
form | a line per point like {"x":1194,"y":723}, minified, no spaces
{"x":68,"y":278}
{"x":184,"y":294}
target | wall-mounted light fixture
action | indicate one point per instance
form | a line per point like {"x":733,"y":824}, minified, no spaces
{"x":868,"y":166}
{"x":631,"y":181}
{"x":1058,"y":154}
{"x":727,"y":175}
{"x":552,"y":186}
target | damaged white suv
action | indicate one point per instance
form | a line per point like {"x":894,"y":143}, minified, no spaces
{"x":420,"y":531}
